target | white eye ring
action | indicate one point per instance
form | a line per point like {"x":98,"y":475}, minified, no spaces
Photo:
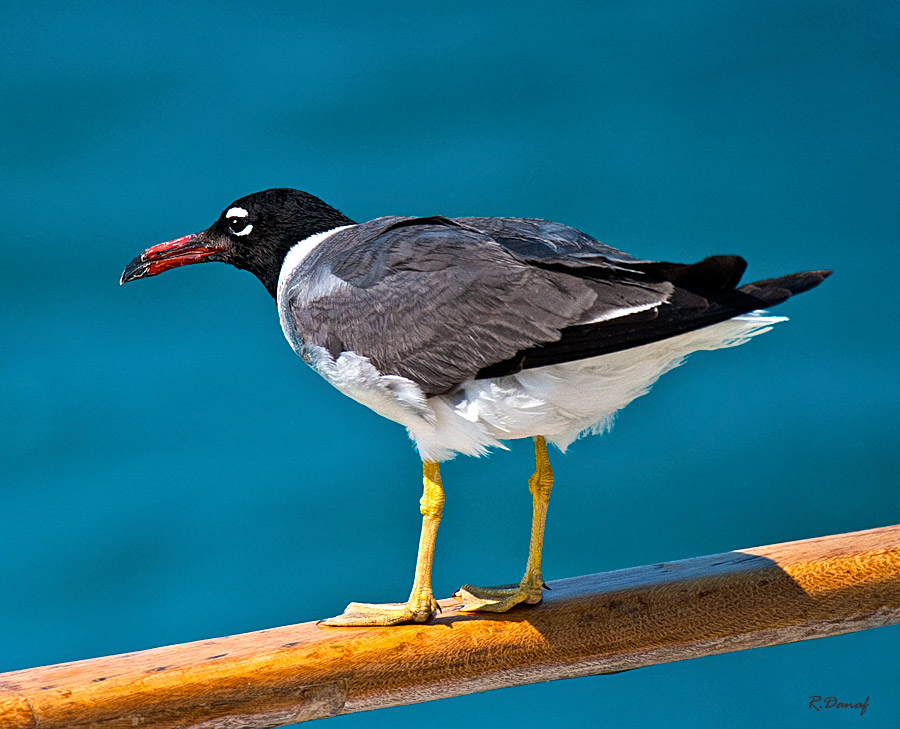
{"x":248,"y":229}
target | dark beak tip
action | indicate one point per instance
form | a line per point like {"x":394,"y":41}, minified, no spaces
{"x":132,"y":271}
{"x":171,"y":254}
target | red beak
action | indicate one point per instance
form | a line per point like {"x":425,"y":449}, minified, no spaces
{"x":172,"y":254}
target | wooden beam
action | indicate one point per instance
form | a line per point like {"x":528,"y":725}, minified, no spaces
{"x":587,"y":625}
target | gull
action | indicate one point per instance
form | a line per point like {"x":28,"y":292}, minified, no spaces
{"x":473,"y":331}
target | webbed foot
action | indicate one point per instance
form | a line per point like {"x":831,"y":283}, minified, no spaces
{"x":362,"y":614}
{"x":498,"y":599}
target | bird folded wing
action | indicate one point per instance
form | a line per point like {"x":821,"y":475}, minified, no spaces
{"x":436,"y":301}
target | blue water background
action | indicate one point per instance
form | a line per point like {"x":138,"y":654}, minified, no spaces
{"x":170,"y":469}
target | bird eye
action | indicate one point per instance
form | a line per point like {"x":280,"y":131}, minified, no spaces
{"x":240,"y":226}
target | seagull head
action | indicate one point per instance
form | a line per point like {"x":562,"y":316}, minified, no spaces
{"x":253,"y":233}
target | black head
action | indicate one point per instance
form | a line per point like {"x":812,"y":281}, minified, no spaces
{"x":254,"y":233}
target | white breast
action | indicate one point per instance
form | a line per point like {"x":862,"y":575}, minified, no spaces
{"x":292,"y":262}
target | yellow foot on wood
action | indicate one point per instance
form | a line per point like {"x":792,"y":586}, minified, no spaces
{"x":497,"y":599}
{"x":361,"y":614}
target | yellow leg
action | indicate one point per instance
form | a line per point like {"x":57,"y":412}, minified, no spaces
{"x":421,"y":604}
{"x":529,"y":590}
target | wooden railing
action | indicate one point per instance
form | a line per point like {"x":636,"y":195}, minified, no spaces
{"x":587,"y":625}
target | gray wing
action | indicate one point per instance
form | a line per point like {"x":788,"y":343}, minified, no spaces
{"x":437,"y":301}
{"x":560,"y":248}
{"x":544,"y":242}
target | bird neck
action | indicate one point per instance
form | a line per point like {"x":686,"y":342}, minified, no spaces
{"x":266,"y":263}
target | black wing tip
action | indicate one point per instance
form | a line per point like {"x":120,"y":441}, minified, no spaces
{"x":798,"y":283}
{"x":581,"y":342}
{"x":776,"y":290}
{"x":730,"y":270}
{"x":815,"y":278}
{"x":712,"y":275}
